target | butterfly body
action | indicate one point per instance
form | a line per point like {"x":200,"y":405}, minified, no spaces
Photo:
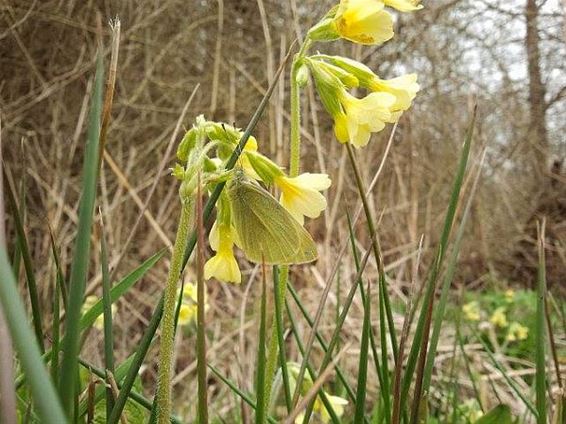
{"x":267,"y":233}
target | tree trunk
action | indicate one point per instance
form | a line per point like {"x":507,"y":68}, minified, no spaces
{"x":538,"y":133}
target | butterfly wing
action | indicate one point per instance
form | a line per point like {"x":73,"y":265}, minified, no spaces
{"x":266,"y":231}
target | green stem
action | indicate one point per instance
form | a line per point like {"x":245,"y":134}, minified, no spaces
{"x":294,"y":167}
{"x":168,"y":320}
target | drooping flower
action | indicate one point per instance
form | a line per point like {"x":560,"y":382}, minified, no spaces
{"x":404,"y":88}
{"x":361,"y":117}
{"x":472,"y":311}
{"x":404,"y":5}
{"x":223,"y":265}
{"x":363,"y":21}
{"x":499,"y":318}
{"x":517,"y":332}
{"x":301,"y":195}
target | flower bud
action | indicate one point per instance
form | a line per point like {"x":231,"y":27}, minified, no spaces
{"x":265,"y":168}
{"x":302,"y":76}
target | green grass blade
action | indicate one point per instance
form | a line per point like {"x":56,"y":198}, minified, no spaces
{"x":363,"y":363}
{"x":141,"y":352}
{"x":135,"y":396}
{"x":79,"y":267}
{"x":236,"y":390}
{"x":378,"y":369}
{"x":310,"y":370}
{"x":108,"y":335}
{"x":59,"y":269}
{"x":28,"y":267}
{"x":119,"y":289}
{"x":501,"y":414}
{"x":44,"y":395}
{"x":55,"y":331}
{"x":201,"y":322}
{"x":420,"y":340}
{"x":260,"y":377}
{"x":516,"y":389}
{"x":341,"y":375}
{"x":451,"y":270}
{"x":280,"y":336}
{"x":336,"y":334}
{"x":540,"y":334}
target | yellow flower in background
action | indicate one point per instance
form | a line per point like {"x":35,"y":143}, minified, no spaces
{"x":223,"y":266}
{"x":363,"y":21}
{"x":89,"y":302}
{"x":404,"y":88}
{"x":190,"y":291}
{"x":337,"y":403}
{"x":362,"y":117}
{"x":517,"y":332}
{"x":472,"y":311}
{"x":189,"y":306}
{"x":404,"y":5}
{"x":509,"y":295}
{"x":499,"y":318}
{"x":301,"y":195}
{"x":187,"y":314}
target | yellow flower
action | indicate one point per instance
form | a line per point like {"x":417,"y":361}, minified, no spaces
{"x":509,"y":295}
{"x":300,"y":195}
{"x":404,"y":5}
{"x":472,"y":311}
{"x":404,"y":88}
{"x":498,"y":318}
{"x":362,"y":117}
{"x":223,"y":265}
{"x":187,"y":314}
{"x":363,"y":21}
{"x":517,"y":332}
{"x":336,"y":402}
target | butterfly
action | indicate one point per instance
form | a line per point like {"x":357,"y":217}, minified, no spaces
{"x":267,"y":233}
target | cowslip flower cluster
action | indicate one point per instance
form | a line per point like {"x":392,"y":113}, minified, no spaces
{"x":205,"y":149}
{"x":364,"y":22}
{"x":517,"y":332}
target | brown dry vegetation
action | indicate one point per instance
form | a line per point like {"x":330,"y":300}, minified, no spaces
{"x":232,"y":48}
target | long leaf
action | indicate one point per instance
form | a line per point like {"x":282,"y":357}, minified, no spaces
{"x":363,"y":363}
{"x":451,"y":270}
{"x":540,"y":334}
{"x":420,"y":340}
{"x":260,"y":384}
{"x":108,"y":335}
{"x":81,"y":255}
{"x":119,"y":289}
{"x":44,"y":395}
{"x":236,"y":390}
{"x":24,"y":250}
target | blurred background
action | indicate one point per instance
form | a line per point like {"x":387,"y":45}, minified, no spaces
{"x":508,"y":57}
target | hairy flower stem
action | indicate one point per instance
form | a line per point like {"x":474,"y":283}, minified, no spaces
{"x":294,"y":167}
{"x":168,"y":320}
